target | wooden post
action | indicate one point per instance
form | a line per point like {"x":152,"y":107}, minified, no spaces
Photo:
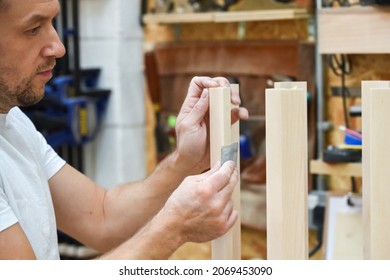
{"x":287,"y":157}
{"x":227,"y":247}
{"x":376,"y":169}
{"x":235,"y":136}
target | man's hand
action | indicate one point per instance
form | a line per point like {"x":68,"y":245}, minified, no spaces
{"x":201,"y":208}
{"x":193,"y":153}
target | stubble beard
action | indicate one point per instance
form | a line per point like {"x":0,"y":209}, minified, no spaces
{"x":24,"y":94}
{"x":29,"y":96}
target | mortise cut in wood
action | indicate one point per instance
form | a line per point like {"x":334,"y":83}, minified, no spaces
{"x":222,"y":133}
{"x":287,"y":171}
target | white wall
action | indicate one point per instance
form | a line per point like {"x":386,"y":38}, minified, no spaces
{"x":111,"y":38}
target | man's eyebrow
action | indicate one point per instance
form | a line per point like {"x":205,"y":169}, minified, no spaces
{"x":34,"y":18}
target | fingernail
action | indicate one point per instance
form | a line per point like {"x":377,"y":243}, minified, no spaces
{"x":231,"y":163}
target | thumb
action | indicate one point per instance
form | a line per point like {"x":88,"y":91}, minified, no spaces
{"x":222,"y":176}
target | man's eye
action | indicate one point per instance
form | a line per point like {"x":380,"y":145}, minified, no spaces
{"x":34,"y":31}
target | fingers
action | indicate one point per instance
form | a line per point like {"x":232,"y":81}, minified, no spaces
{"x":197,"y":97}
{"x":243,"y":113}
{"x":223,"y":179}
{"x":223,"y":82}
{"x":235,"y":95}
{"x":199,"y":83}
{"x":229,"y":215}
{"x":196,"y":103}
{"x":200,"y":108}
{"x":232,"y":216}
{"x":207,"y":174}
{"x":239,"y":114}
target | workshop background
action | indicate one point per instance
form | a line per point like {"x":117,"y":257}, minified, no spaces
{"x":110,"y":109}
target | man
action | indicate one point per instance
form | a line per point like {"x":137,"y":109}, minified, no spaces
{"x":39,"y":192}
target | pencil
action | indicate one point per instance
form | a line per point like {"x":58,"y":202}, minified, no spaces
{"x":350,"y":132}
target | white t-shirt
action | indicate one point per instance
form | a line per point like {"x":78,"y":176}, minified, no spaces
{"x":27,"y":162}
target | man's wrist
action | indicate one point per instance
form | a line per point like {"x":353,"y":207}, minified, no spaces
{"x":176,"y":164}
{"x":162,"y":237}
{"x":170,"y":228}
{"x":184,"y":165}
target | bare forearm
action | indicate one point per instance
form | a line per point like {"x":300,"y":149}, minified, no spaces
{"x":129,"y":207}
{"x":157,"y":240}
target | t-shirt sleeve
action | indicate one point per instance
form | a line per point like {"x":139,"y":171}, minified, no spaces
{"x":7,"y":216}
{"x":52,"y":162}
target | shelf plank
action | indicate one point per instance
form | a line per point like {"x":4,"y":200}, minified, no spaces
{"x":261,"y":15}
{"x":353,"y":169}
{"x":359,"y":30}
{"x":178,"y":18}
{"x":220,"y":17}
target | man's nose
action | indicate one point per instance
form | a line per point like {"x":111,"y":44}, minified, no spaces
{"x":54,"y":48}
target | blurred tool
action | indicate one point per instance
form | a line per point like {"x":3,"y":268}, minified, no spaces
{"x":245,"y":147}
{"x":336,"y":155}
{"x":210,"y":5}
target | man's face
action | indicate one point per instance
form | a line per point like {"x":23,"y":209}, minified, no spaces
{"x":29,"y":46}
